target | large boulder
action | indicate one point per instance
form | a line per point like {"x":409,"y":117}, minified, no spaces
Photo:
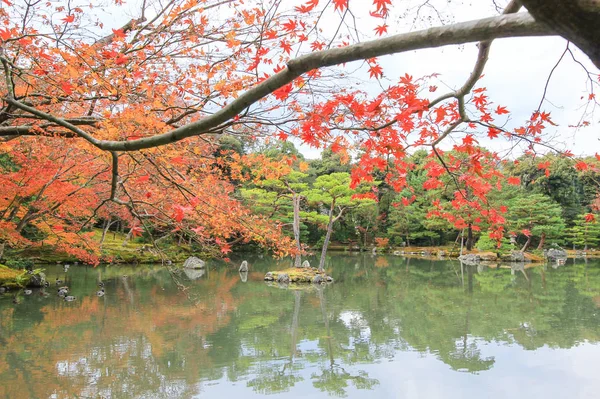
{"x":306,"y":264}
{"x":318,"y":279}
{"x":556,"y":254}
{"x":470,"y":259}
{"x":517,"y":256}
{"x":37,"y":280}
{"x":283,"y":278}
{"x":194,"y":263}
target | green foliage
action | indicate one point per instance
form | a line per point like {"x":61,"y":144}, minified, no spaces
{"x":538,"y":214}
{"x":486,"y":244}
{"x":584,"y":233}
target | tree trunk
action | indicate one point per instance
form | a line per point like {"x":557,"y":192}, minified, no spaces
{"x":328,"y":235}
{"x":469,"y":243}
{"x":542,"y":242}
{"x":326,"y":242}
{"x":127,"y":238}
{"x":1,"y":249}
{"x":575,"y":20}
{"x":107,"y":224}
{"x":296,"y":228}
{"x":526,"y":244}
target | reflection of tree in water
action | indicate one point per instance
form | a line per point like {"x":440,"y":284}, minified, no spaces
{"x":334,"y":378}
{"x":274,"y":378}
{"x":145,"y":339}
{"x":466,"y":356}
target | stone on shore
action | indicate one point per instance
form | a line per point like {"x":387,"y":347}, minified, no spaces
{"x":194,"y":263}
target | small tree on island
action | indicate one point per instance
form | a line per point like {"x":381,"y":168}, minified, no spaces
{"x":333,"y":191}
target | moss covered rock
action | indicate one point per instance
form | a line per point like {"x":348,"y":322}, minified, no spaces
{"x":298,"y":275}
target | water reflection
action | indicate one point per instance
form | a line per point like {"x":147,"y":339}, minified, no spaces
{"x":229,"y":330}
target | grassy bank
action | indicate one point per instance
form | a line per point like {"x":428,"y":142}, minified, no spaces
{"x":115,"y":249}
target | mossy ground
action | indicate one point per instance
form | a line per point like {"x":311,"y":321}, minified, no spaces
{"x":11,"y":278}
{"x":134,"y":251}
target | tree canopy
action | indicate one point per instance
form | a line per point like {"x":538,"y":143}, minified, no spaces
{"x":100,"y":120}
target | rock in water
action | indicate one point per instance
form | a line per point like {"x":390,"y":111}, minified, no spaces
{"x":244,"y":267}
{"x":194,"y":263}
{"x":269,"y":276}
{"x":556,"y":254}
{"x":470,"y":259}
{"x":318,"y":279}
{"x":37,"y":280}
{"x":283,"y":278}
{"x":244,"y":276}
{"x":306,"y":264}
{"x":517,"y":256}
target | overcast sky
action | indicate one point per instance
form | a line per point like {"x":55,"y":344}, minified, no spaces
{"x":515,"y":75}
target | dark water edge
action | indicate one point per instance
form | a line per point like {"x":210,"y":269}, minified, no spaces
{"x":389,"y":326}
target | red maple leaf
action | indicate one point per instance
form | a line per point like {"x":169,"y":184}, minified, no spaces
{"x":590,"y":218}
{"x":282,"y":135}
{"x":381,"y":29}
{"x":493,"y":132}
{"x":440,"y":113}
{"x":581,"y":166}
{"x":67,"y":87}
{"x":307,"y":7}
{"x":286,"y":46}
{"x":290,"y":25}
{"x":68,"y":19}
{"x":317,"y":45}
{"x":121,"y":59}
{"x":283,"y":92}
{"x":374,"y":106}
{"x":375,"y":71}
{"x":501,"y":110}
{"x":5,"y":34}
{"x":340,"y":4}
{"x":468,"y":139}
{"x":514,"y":181}
{"x":119,"y":33}
{"x":136,"y":230}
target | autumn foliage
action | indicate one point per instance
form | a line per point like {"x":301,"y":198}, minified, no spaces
{"x":95,"y":109}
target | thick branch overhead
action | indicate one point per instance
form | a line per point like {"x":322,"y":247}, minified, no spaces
{"x":514,"y":25}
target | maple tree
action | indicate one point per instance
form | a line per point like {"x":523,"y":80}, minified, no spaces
{"x":124,"y":98}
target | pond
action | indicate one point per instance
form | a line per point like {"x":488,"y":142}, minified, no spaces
{"x":389,"y":327}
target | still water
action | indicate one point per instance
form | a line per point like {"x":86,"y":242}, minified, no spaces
{"x":389,"y":327}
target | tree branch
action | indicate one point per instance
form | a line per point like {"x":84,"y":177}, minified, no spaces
{"x":516,"y":25}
